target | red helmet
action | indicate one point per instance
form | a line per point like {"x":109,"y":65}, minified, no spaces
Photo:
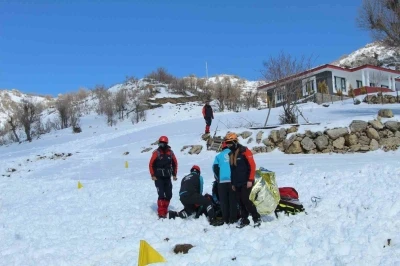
{"x":195,"y":168}
{"x":163,"y":139}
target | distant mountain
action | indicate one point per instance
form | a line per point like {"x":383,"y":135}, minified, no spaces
{"x":375,"y":53}
{"x":9,"y":100}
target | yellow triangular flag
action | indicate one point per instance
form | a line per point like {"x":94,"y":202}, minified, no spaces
{"x":126,"y":164}
{"x":148,"y":255}
{"x":80,"y":185}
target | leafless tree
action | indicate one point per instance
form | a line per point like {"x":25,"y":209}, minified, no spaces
{"x":219,"y":95}
{"x":139,"y":106}
{"x":28,"y":113}
{"x":178,"y":86}
{"x":233,"y":93}
{"x":204,"y":89}
{"x":251,"y":99}
{"x":121,"y":100}
{"x":382,"y":19}
{"x":191,"y":82}
{"x":108,"y":108}
{"x":285,"y":71}
{"x":161,"y":75}
{"x":63,"y":106}
{"x":13,"y":124}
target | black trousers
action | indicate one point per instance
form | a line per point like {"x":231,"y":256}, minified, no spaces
{"x":246,"y":205}
{"x":189,"y":202}
{"x":164,"y":188}
{"x":208,"y":121}
{"x":227,"y":199}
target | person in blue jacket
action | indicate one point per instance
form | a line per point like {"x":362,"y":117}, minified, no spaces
{"x":227,"y":197}
{"x":191,"y":196}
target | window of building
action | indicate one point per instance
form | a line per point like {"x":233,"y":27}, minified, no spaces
{"x":310,"y":89}
{"x":372,"y":84}
{"x":340,"y":83}
{"x":359,"y":84}
{"x":384,"y":86}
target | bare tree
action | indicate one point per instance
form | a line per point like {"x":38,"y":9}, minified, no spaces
{"x":121,"y":101}
{"x":178,"y":86}
{"x":13,"y":123}
{"x":233,"y":93}
{"x":108,"y":108}
{"x":382,"y":19}
{"x":161,"y":75}
{"x":220,"y":95}
{"x":204,"y":89}
{"x":139,"y":106}
{"x":63,"y":106}
{"x":28,"y":113}
{"x":285,"y":71}
{"x":251,"y":99}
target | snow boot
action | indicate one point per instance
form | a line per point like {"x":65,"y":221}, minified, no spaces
{"x":172,"y":214}
{"x":216,"y":222}
{"x":257,"y":222}
{"x":162,"y":208}
{"x":243,"y":222}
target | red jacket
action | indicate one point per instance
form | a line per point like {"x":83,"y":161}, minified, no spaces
{"x":207,"y":111}
{"x":163,"y":163}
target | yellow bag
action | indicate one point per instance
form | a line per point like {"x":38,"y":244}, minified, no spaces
{"x":265,"y":192}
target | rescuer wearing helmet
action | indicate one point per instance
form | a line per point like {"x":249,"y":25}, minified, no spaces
{"x":163,"y":165}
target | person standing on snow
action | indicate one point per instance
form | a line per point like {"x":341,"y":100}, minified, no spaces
{"x":226,"y":195}
{"x":208,"y":115}
{"x":191,"y":197}
{"x":243,"y":170}
{"x":163,"y":165}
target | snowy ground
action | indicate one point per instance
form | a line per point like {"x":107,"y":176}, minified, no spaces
{"x":46,"y":220}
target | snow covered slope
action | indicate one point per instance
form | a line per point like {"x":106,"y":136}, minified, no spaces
{"x":46,"y":220}
{"x":10,"y":98}
{"x":374,"y":53}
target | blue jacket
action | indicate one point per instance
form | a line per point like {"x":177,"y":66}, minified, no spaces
{"x":221,"y":167}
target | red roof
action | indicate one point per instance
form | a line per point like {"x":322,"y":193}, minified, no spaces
{"x":339,"y":68}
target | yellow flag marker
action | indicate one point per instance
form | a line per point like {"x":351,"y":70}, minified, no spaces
{"x":80,"y":185}
{"x":148,"y":255}
{"x":126,"y":164}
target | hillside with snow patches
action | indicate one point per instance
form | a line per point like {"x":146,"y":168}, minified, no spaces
{"x":46,"y":220}
{"x":10,"y":98}
{"x":375,"y":53}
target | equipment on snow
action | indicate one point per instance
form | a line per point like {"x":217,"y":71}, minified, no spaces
{"x":289,"y":202}
{"x":265,"y":193}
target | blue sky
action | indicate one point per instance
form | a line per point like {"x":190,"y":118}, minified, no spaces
{"x":51,"y":47}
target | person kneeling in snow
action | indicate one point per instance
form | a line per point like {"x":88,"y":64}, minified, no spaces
{"x":191,"y":197}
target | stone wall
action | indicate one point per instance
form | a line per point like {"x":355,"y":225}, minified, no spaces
{"x":360,"y":136}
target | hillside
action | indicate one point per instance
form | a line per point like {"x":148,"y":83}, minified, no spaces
{"x":46,"y":220}
{"x":10,"y":98}
{"x":375,"y":53}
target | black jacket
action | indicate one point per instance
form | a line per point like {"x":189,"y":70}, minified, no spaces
{"x":191,"y":184}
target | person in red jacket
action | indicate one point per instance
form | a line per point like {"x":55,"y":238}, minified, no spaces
{"x":243,"y":169}
{"x":163,"y":165}
{"x":208,"y":115}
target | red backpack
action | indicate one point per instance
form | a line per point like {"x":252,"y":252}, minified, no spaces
{"x":288,"y":192}
{"x":289,"y":203}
